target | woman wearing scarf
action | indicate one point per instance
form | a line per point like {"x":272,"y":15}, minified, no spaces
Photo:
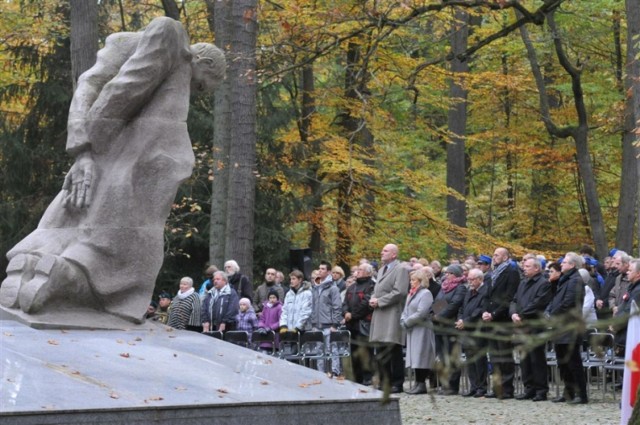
{"x":184,"y":311}
{"x":445,"y":312}
{"x":415,"y":320}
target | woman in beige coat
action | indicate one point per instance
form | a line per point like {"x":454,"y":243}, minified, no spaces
{"x":421,"y":352}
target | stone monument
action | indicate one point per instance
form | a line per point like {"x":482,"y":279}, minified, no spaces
{"x":93,"y":260}
{"x":99,"y":246}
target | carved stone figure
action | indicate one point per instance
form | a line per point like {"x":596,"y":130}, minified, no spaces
{"x":99,"y":245}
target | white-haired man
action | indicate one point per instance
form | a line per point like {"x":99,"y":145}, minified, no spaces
{"x":238,"y":281}
{"x":475,"y":346}
{"x":564,"y":311}
{"x":624,"y":309}
{"x":387,"y":301}
{"x":621,"y":262}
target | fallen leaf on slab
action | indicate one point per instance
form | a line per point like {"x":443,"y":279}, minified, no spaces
{"x":53,"y":342}
{"x":156,"y":398}
{"x":114,"y":395}
{"x":125,"y":355}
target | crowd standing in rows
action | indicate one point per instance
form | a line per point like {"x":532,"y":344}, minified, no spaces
{"x":412,"y":314}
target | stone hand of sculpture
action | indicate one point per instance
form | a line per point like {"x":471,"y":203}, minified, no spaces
{"x":78,"y":184}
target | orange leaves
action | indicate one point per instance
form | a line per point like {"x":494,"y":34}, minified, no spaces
{"x":308,"y":384}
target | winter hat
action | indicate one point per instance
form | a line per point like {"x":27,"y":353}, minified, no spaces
{"x":273,"y":292}
{"x":455,"y":270}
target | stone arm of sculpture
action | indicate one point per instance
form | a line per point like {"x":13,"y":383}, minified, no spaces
{"x":78,"y":182}
{"x":127,"y":73}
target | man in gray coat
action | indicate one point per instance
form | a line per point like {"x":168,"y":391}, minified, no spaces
{"x":388,"y":300}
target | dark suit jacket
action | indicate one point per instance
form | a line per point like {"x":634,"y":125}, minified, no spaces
{"x":531,"y":299}
{"x":566,"y":305}
{"x":472,"y":307}
{"x":501,"y":294}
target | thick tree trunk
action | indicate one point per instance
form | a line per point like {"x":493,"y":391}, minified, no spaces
{"x":311,"y":148}
{"x":220,"y":14}
{"x":84,"y":37}
{"x":633,"y":76}
{"x":242,"y":153}
{"x":629,"y":177}
{"x":456,"y":172}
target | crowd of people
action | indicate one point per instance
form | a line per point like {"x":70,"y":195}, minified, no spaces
{"x":420,"y":315}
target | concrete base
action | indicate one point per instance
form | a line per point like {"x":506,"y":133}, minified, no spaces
{"x":72,"y":318}
{"x":163,"y":376}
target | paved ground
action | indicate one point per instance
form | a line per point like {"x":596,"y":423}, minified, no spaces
{"x":438,"y":409}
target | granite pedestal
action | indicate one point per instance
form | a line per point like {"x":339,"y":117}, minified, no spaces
{"x":156,"y":375}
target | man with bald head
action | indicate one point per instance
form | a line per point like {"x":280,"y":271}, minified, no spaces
{"x":387,"y":301}
{"x":505,"y":279}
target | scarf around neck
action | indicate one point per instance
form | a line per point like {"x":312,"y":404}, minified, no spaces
{"x":185,"y":294}
{"x":498,"y":271}
{"x":452,"y":283}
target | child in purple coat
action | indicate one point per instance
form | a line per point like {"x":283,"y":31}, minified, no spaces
{"x":246,"y":319}
{"x":270,"y":318}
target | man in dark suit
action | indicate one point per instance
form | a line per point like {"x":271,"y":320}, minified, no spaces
{"x":504,"y":283}
{"x":527,"y":312}
{"x":475,"y":346}
{"x":565,"y":311}
{"x":387,"y":301}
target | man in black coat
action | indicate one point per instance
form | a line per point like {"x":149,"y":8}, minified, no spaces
{"x":475,"y":346}
{"x":527,"y":312}
{"x":565,"y":311}
{"x":603,"y":310}
{"x":624,"y":310}
{"x":504,"y":283}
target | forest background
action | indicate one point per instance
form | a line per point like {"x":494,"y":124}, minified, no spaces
{"x":446,"y":127}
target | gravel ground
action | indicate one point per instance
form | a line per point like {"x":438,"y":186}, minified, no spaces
{"x":438,"y":409}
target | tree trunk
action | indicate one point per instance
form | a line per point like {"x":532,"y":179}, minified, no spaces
{"x":633,"y":77}
{"x":629,"y":178}
{"x":171,"y":9}
{"x":312,"y":149}
{"x":579,"y":133}
{"x":84,"y":37}
{"x":220,"y":14}
{"x":456,"y":180}
{"x":242,"y":152}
